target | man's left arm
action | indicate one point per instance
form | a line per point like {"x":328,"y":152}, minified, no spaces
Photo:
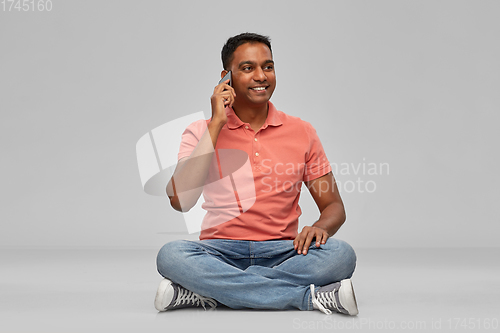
{"x":326,"y":195}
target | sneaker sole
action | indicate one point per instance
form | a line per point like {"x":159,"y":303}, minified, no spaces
{"x":347,"y":297}
{"x":160,"y":299}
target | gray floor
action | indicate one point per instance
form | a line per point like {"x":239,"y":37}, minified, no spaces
{"x":416,"y":290}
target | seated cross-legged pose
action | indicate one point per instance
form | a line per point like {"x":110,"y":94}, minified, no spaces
{"x":249,"y":161}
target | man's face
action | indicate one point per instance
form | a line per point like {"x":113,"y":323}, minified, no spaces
{"x":253,"y":76}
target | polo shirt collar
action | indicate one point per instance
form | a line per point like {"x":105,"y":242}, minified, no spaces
{"x":272,"y":119}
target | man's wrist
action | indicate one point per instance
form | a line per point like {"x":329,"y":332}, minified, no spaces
{"x":215,"y":124}
{"x":321,"y":225}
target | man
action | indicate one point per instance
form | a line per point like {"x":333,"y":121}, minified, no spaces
{"x":249,"y":254}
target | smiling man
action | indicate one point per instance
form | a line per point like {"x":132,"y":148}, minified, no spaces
{"x":250,"y":253}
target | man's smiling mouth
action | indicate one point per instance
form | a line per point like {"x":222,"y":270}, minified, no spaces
{"x":258,"y":88}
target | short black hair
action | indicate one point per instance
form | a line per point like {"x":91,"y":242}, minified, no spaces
{"x":233,"y":43}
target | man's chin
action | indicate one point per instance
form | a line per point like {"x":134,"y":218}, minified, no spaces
{"x":260,"y":103}
{"x":259,"y":100}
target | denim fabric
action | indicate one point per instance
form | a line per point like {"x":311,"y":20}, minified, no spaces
{"x":258,"y":275}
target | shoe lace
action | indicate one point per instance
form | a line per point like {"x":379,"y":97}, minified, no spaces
{"x":188,"y":297}
{"x":323,"y":299}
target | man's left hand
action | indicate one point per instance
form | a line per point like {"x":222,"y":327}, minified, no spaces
{"x":303,"y":240}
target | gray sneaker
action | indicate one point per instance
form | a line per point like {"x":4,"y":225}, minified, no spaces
{"x":173,"y":296}
{"x":338,"y":296}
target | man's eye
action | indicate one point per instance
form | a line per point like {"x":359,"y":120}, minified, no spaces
{"x":269,"y":67}
{"x":247,"y":68}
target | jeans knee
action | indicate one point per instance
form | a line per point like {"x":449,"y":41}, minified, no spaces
{"x":170,"y":254}
{"x":343,"y":258}
{"x":349,"y":256}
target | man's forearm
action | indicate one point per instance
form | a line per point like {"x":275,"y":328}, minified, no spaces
{"x":332,"y":218}
{"x":186,"y":184}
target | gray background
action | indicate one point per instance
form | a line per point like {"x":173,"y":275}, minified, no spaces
{"x":410,"y":83}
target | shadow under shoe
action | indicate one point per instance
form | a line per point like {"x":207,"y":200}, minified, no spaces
{"x":173,"y":296}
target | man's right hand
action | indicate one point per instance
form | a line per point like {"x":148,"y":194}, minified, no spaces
{"x":191,"y":173}
{"x":223,"y":96}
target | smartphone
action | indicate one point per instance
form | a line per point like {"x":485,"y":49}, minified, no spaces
{"x":227,"y":76}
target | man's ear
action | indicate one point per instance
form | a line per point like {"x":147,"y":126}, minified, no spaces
{"x":223,"y":73}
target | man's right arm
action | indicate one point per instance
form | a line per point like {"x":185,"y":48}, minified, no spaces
{"x":186,"y":184}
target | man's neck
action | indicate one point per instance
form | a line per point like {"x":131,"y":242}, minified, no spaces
{"x":255,"y":116}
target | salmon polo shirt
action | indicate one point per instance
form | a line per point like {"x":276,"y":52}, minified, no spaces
{"x":255,"y":178}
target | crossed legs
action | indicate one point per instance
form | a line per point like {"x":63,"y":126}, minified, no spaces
{"x":258,"y":275}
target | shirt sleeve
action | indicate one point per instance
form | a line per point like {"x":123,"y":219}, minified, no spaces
{"x":317,"y":164}
{"x":190,"y":138}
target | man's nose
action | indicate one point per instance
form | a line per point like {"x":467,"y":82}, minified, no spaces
{"x":259,"y":75}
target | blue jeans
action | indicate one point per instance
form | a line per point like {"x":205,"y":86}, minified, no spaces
{"x":258,"y":275}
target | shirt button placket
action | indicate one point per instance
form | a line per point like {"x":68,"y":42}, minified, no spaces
{"x":256,"y":154}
